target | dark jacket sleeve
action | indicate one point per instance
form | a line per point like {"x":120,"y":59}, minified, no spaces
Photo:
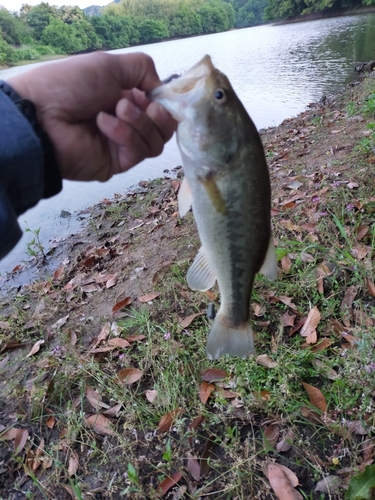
{"x":23,"y":176}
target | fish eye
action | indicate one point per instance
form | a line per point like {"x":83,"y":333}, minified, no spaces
{"x":219,"y":95}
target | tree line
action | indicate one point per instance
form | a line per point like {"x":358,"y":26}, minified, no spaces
{"x":280,"y":9}
{"x":44,"y":29}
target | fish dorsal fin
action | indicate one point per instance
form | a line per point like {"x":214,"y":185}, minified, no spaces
{"x":269,"y":267}
{"x":185,"y":198}
{"x":200,"y":275}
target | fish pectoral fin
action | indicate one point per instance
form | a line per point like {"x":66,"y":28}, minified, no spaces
{"x":269,"y":267}
{"x":185,"y":198}
{"x":224,"y":339}
{"x":214,"y":194}
{"x":200,"y":275}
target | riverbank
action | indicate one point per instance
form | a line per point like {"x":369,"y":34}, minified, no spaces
{"x":105,"y":356}
{"x":325,"y":15}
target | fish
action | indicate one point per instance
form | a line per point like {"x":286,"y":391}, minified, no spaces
{"x":227,"y":184}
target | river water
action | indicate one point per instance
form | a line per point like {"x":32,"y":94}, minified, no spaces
{"x":275,"y":70}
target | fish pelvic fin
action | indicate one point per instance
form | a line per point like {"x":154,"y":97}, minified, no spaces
{"x":214,"y":194}
{"x":185,"y":198}
{"x":269,"y":267}
{"x":224,"y":339}
{"x":200,"y":275}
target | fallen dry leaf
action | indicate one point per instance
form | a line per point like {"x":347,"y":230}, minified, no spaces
{"x":265,"y":360}
{"x":287,"y":319}
{"x":129,"y":375}
{"x":148,"y":297}
{"x":60,"y":322}
{"x":168,"y":419}
{"x":286,"y":443}
{"x":50,"y":422}
{"x":214,"y":375}
{"x":18,"y":435}
{"x":205,"y":391}
{"x":118,"y":342}
{"x":370,"y":287}
{"x":151,"y":395}
{"x":57,"y":275}
{"x":286,"y":263}
{"x":121,"y":304}
{"x":112,"y":281}
{"x":35,"y":348}
{"x":283,"y":481}
{"x":112,"y":412}
{"x":312,"y":321}
{"x":330,"y":484}
{"x":316,"y":397}
{"x":168,"y":482}
{"x":94,"y":398}
{"x":193,"y":467}
{"x":324,"y":369}
{"x":186,"y":321}
{"x":271,"y":434}
{"x":73,"y":463}
{"x":99,"y":424}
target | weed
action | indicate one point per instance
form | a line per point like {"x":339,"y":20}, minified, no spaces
{"x":34,"y":246}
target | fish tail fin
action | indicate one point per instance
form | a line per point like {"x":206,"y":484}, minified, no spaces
{"x":224,"y":339}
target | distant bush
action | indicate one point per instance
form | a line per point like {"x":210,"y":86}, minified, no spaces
{"x":46,"y":50}
{"x":28,"y":54}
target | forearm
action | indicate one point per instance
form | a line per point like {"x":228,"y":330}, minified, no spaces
{"x":25,"y":177}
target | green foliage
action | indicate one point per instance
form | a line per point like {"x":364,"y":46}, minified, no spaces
{"x":71,"y":38}
{"x":12,"y":28}
{"x":278,"y":9}
{"x":362,"y":487}
{"x":6,"y":52}
{"x":214,"y":17}
{"x":185,"y":22}
{"x":115,"y":32}
{"x":34,"y":246}
{"x":39,"y":17}
{"x":152,"y":30}
{"x":248,"y":12}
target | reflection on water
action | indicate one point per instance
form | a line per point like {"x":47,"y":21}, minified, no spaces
{"x":276,"y":71}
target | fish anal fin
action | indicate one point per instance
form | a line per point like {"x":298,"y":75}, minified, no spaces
{"x":224,"y":339}
{"x":200,"y":275}
{"x":214,"y":194}
{"x":185,"y":198}
{"x":269,"y":267}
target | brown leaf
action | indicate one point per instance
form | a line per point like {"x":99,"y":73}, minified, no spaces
{"x":61,"y":322}
{"x":322,"y":345}
{"x":70,"y":490}
{"x":258,"y":309}
{"x":99,"y":424}
{"x":196,"y":422}
{"x":148,"y":297}
{"x":168,"y":482}
{"x":312,"y":338}
{"x":35,"y":348}
{"x":118,"y":342}
{"x":211,"y":295}
{"x":271,"y":434}
{"x":134,"y":338}
{"x":168,"y":419}
{"x":112,"y":281}
{"x":50,"y":422}
{"x":283,"y":481}
{"x":316,"y":397}
{"x":265,"y":360}
{"x":112,"y":412}
{"x":94,"y":398}
{"x":73,"y":464}
{"x":57,"y":275}
{"x":151,"y":395}
{"x":361,"y":231}
{"x":370,"y":287}
{"x":325,"y":369}
{"x":186,"y":321}
{"x":286,"y":443}
{"x":311,"y":415}
{"x":206,"y":455}
{"x":90,"y":288}
{"x":18,"y":435}
{"x":121,"y":304}
{"x":311,"y":322}
{"x":205,"y":391}
{"x":214,"y":375}
{"x":129,"y":376}
{"x":287,"y":319}
{"x":286,"y":263}
{"x":194,"y":467}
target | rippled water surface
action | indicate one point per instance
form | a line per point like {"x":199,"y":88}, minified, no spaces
{"x":276,"y":71}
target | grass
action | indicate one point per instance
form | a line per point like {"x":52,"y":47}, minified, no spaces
{"x":55,"y":392}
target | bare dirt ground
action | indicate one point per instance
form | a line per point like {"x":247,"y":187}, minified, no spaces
{"x":105,"y":389}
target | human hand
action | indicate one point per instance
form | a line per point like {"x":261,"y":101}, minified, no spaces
{"x":94,"y":109}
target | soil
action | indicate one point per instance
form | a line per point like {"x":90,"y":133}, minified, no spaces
{"x":127,"y":253}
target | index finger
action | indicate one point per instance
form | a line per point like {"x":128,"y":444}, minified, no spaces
{"x":136,"y":70}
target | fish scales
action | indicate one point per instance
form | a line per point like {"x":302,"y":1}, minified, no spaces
{"x":227,"y":184}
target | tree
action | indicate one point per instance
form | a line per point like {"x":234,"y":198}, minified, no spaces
{"x":70,"y":38}
{"x":185,"y":22}
{"x":14,"y":31}
{"x":38,"y":18}
{"x":115,"y":32}
{"x":214,"y":17}
{"x":152,"y":30}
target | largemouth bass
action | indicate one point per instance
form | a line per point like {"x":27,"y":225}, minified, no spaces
{"x":227,"y":184}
